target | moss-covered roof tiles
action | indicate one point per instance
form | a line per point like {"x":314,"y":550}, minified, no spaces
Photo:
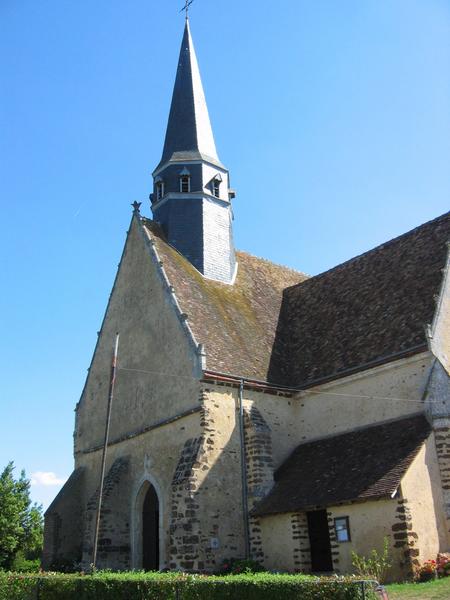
{"x":281,"y":326}
{"x":236,"y":323}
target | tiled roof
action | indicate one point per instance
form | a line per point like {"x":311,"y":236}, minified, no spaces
{"x":236,"y":323}
{"x":361,"y":465}
{"x":368,"y":309}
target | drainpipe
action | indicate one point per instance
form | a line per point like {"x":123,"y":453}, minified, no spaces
{"x":244,"y":470}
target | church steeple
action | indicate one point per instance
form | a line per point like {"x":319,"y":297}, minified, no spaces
{"x":191,"y":197}
{"x":189,"y":133}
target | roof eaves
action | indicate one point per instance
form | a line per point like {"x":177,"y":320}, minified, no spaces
{"x":309,"y":507}
{"x":365,"y":366}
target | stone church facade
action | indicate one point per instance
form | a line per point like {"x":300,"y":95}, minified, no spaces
{"x":259,"y":412}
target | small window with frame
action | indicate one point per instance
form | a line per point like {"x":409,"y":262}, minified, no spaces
{"x":342,"y":529}
{"x":185,"y":184}
{"x":159,"y":190}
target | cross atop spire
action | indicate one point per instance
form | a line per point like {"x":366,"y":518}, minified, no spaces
{"x":186,"y":7}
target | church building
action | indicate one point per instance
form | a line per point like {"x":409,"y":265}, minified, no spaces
{"x":258,"y":412}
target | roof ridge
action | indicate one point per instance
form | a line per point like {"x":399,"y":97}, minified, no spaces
{"x":382,"y":246}
{"x":271,"y":262}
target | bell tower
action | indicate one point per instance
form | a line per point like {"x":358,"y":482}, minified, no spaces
{"x":191,"y":196}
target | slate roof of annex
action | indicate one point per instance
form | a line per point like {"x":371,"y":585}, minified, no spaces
{"x":359,"y":465}
{"x":277,"y":325}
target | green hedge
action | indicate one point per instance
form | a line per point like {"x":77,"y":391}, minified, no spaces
{"x":157,"y":586}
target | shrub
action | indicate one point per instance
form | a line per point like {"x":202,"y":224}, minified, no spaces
{"x":22,"y":564}
{"x":234,"y":566}
{"x":17,"y":587}
{"x":172,"y":586}
{"x":376,"y":565}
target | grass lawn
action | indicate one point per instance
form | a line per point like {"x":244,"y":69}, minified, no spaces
{"x":432,"y":590}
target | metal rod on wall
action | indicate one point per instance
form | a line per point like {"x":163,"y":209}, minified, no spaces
{"x":112,"y":383}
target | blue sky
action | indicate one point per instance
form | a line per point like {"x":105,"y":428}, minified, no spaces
{"x":333,"y":118}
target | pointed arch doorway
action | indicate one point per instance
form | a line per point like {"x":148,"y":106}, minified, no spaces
{"x":148,"y":536}
{"x":150,"y":530}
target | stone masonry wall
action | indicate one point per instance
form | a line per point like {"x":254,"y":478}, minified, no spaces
{"x":302,"y":550}
{"x":63,"y":525}
{"x":52,"y":544}
{"x":438,"y":407}
{"x":199,"y":532}
{"x":442,"y":437}
{"x":405,"y":538}
{"x":259,"y":461}
{"x":114,"y":531}
{"x":185,"y":521}
{"x":370,"y":524}
{"x":335,"y":553}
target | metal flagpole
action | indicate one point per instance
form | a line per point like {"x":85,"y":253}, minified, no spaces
{"x":112,"y":383}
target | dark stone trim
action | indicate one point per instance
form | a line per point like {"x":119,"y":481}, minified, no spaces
{"x":137,"y":432}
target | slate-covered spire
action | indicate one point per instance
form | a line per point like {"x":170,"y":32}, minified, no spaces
{"x":189,"y":134}
{"x":191,"y":197}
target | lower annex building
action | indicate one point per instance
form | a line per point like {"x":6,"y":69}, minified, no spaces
{"x":257,"y":411}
